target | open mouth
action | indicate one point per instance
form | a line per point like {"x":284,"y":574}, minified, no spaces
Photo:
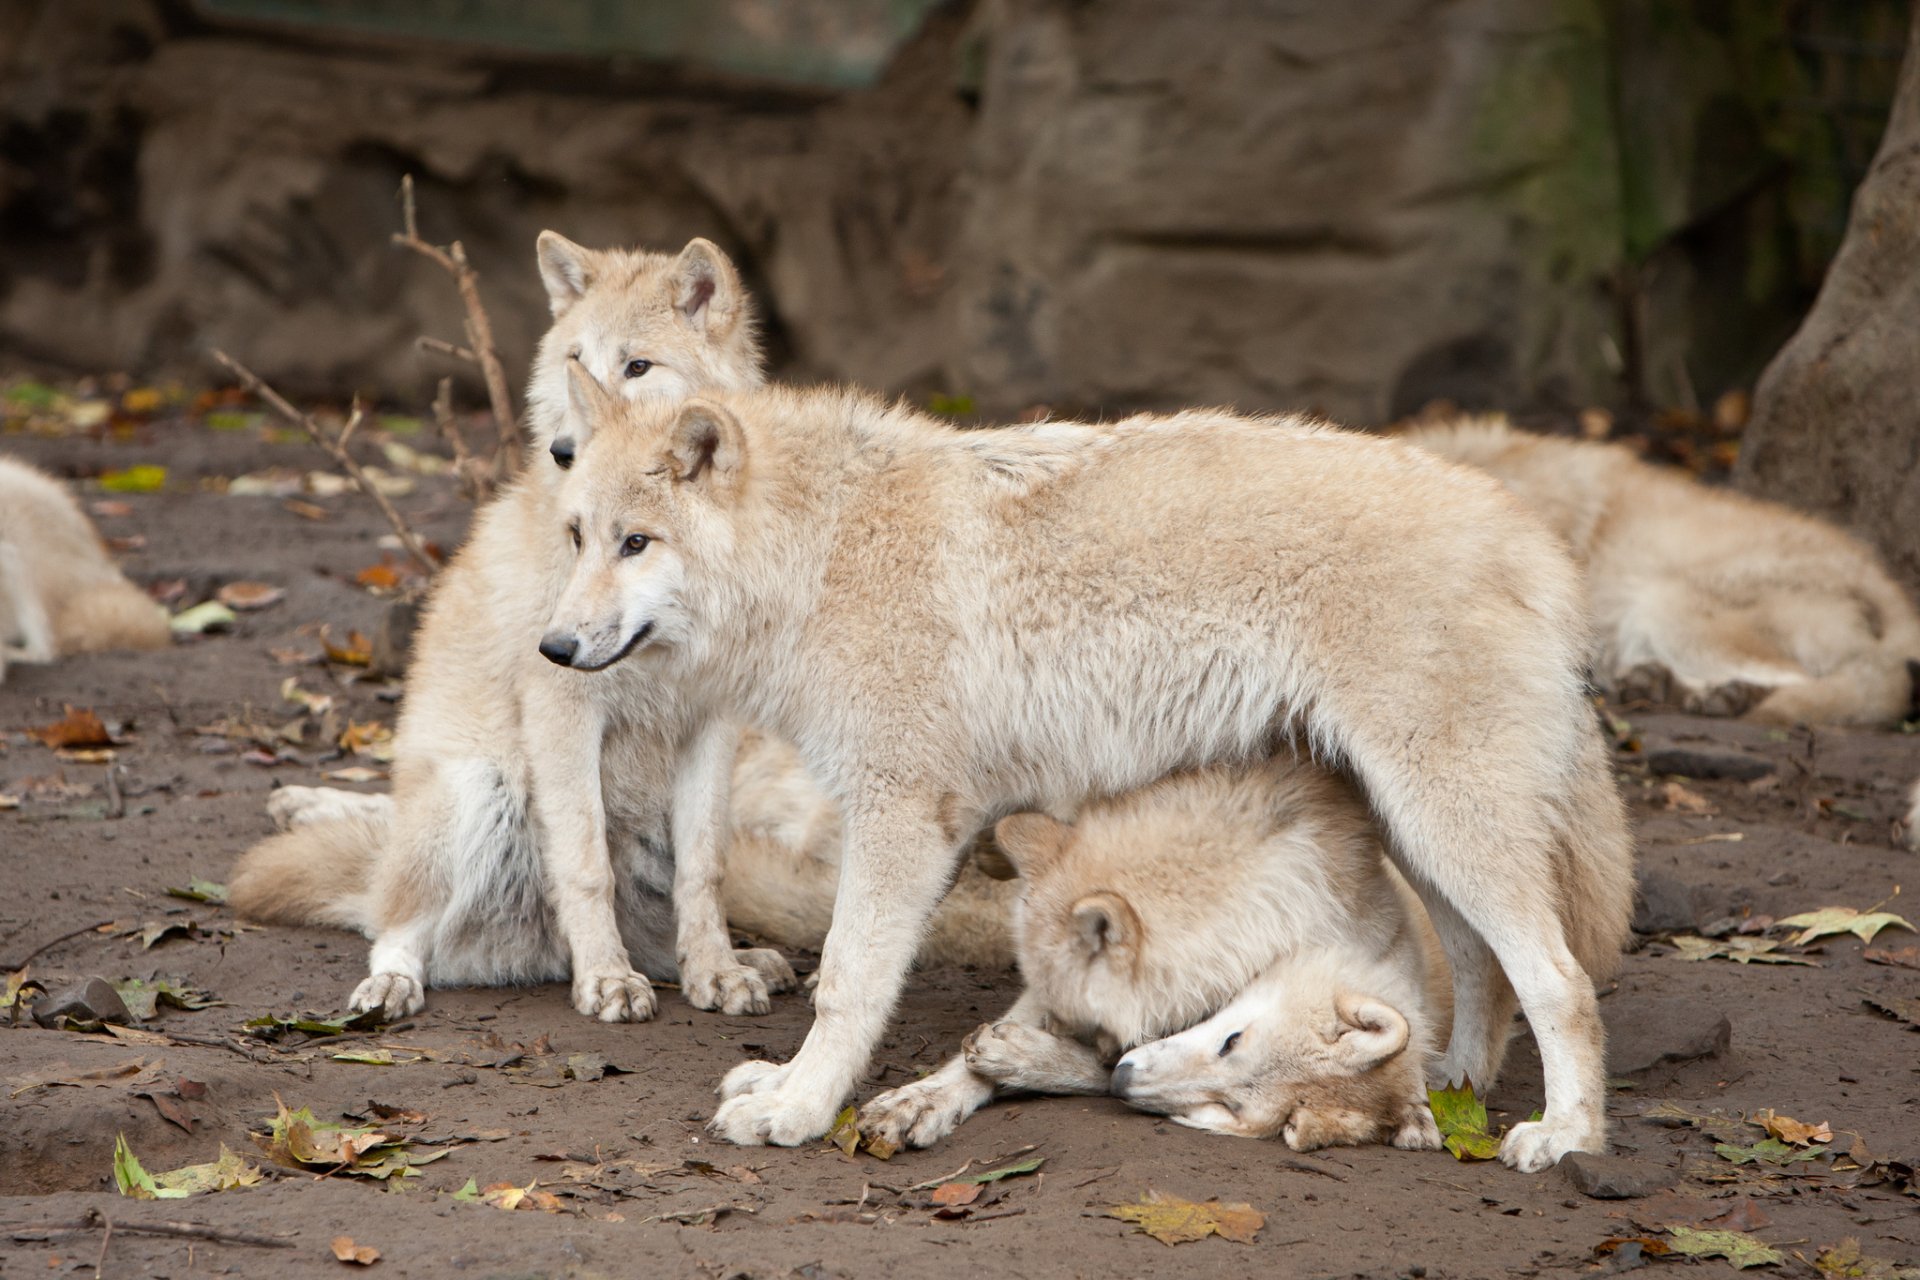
{"x":638,"y":638}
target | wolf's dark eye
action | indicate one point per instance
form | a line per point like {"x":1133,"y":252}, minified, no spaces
{"x":634,"y":543}
{"x":1226,"y":1046}
{"x":638,"y":368}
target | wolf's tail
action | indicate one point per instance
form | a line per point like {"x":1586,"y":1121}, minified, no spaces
{"x":320,"y":873}
{"x":1874,"y":691}
{"x":116,"y":615}
{"x":1596,"y":875}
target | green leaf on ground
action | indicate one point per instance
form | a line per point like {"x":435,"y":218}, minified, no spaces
{"x":273,"y":1026}
{"x":1737,"y":1247}
{"x":225,"y":1174}
{"x":208,"y":616}
{"x":145,"y":478}
{"x":303,"y":1141}
{"x":199,"y":890}
{"x":1462,"y":1118}
{"x":143,"y":998}
{"x":1767,"y":1151}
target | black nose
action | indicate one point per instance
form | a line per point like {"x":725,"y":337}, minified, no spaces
{"x":1121,"y":1079}
{"x":562,"y":451}
{"x":559,"y":649}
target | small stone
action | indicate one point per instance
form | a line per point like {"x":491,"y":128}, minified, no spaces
{"x":1645,"y":1034}
{"x":1616,"y":1177}
{"x":88,"y":1001}
{"x":1700,"y":762}
{"x":1664,"y":903}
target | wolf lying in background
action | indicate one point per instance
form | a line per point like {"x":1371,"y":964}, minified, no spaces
{"x":1261,"y":889}
{"x":952,"y":625}
{"x":542,"y":822}
{"x":1719,"y":602}
{"x":59,"y":593}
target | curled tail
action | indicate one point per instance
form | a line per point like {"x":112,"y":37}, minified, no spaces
{"x":1874,"y":691}
{"x":319,"y":873}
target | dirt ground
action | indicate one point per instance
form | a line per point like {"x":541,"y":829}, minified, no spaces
{"x":484,"y":1069}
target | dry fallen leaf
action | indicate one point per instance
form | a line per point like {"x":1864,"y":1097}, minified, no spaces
{"x":250,"y":595}
{"x":1902,"y":957}
{"x":80,"y":727}
{"x":1737,"y":1247}
{"x":1794,"y":1132}
{"x":1864,"y":925}
{"x":952,"y":1194}
{"x":361,"y":1255}
{"x":1737,"y":949}
{"x":1679,"y":798}
{"x":1171,"y":1220}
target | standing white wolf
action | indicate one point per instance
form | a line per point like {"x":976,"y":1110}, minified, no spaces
{"x":59,"y":593}
{"x":1262,"y":889}
{"x":1723,"y":603}
{"x":950,"y":626}
{"x":537,"y":812}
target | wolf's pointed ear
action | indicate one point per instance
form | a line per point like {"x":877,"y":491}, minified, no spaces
{"x":707,"y":443}
{"x":1105,"y":922}
{"x":1030,"y":840}
{"x":1371,"y":1031}
{"x":706,"y":289}
{"x":565,"y":268}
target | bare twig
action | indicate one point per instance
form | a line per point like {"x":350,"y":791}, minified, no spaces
{"x":334,"y":449}
{"x":45,"y":947}
{"x":476,"y":478}
{"x":106,"y":1238}
{"x":453,"y":260}
{"x":93,"y":1219}
{"x":441,"y":347}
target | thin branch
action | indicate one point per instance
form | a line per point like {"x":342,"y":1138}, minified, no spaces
{"x":252,"y":382}
{"x":93,"y":1218}
{"x":45,"y":947}
{"x":453,"y":260}
{"x":441,"y":347}
{"x":476,"y":478}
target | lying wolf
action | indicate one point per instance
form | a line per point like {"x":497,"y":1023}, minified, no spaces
{"x":59,"y":593}
{"x":1263,"y":890}
{"x":536,"y":813}
{"x":1721,"y":603}
{"x":951,"y":626}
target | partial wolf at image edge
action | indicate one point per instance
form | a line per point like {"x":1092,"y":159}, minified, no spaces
{"x":60,"y":592}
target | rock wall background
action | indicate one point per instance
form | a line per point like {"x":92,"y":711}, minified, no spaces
{"x":1102,"y":204}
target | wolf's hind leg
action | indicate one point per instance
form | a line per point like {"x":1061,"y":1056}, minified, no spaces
{"x":1483,"y":1005}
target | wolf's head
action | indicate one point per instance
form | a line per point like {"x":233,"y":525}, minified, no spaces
{"x":648,"y":326}
{"x":1316,"y":1051}
{"x":650,"y":498}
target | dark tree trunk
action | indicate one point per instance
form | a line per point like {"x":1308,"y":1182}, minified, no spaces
{"x":1836,"y":425}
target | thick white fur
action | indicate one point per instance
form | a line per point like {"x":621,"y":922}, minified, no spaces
{"x":1913,"y":819}
{"x":536,"y":811}
{"x":1717,"y":601}
{"x":950,"y":626}
{"x":59,"y":592}
{"x":1263,"y":889}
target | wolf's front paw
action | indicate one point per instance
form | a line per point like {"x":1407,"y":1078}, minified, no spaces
{"x":612,"y":996}
{"x":1534,"y":1145}
{"x":395,"y":995}
{"x":753,"y":1077}
{"x":779,"y":1117}
{"x":771,"y":965}
{"x":731,"y":989}
{"x":1417,"y":1130}
{"x":1001,"y":1051}
{"x":917,"y":1114}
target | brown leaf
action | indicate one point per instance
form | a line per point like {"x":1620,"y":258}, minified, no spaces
{"x":356,"y":652}
{"x":1901,"y":1008}
{"x":359,"y":1255}
{"x":1679,"y":798}
{"x":169,"y":1107}
{"x":250,"y":595}
{"x":1903,"y":957}
{"x":380,"y":577}
{"x":307,"y":510}
{"x":79,"y":728}
{"x":1171,"y":1220}
{"x":950,"y":1194}
{"x":1794,"y":1132}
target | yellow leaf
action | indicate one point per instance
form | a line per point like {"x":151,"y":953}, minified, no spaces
{"x":362,"y":1255}
{"x":1171,"y":1220}
{"x":1793,"y":1131}
{"x":1835,"y":920}
{"x":145,"y":478}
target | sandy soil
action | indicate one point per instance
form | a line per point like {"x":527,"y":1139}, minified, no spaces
{"x":1815,"y":830}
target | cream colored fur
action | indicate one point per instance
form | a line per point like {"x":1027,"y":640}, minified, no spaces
{"x":950,"y":626}
{"x":1261,"y":889}
{"x":782,"y":867}
{"x":536,"y":811}
{"x":1705,"y":597}
{"x":59,"y":592}
{"x":1913,"y":819}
